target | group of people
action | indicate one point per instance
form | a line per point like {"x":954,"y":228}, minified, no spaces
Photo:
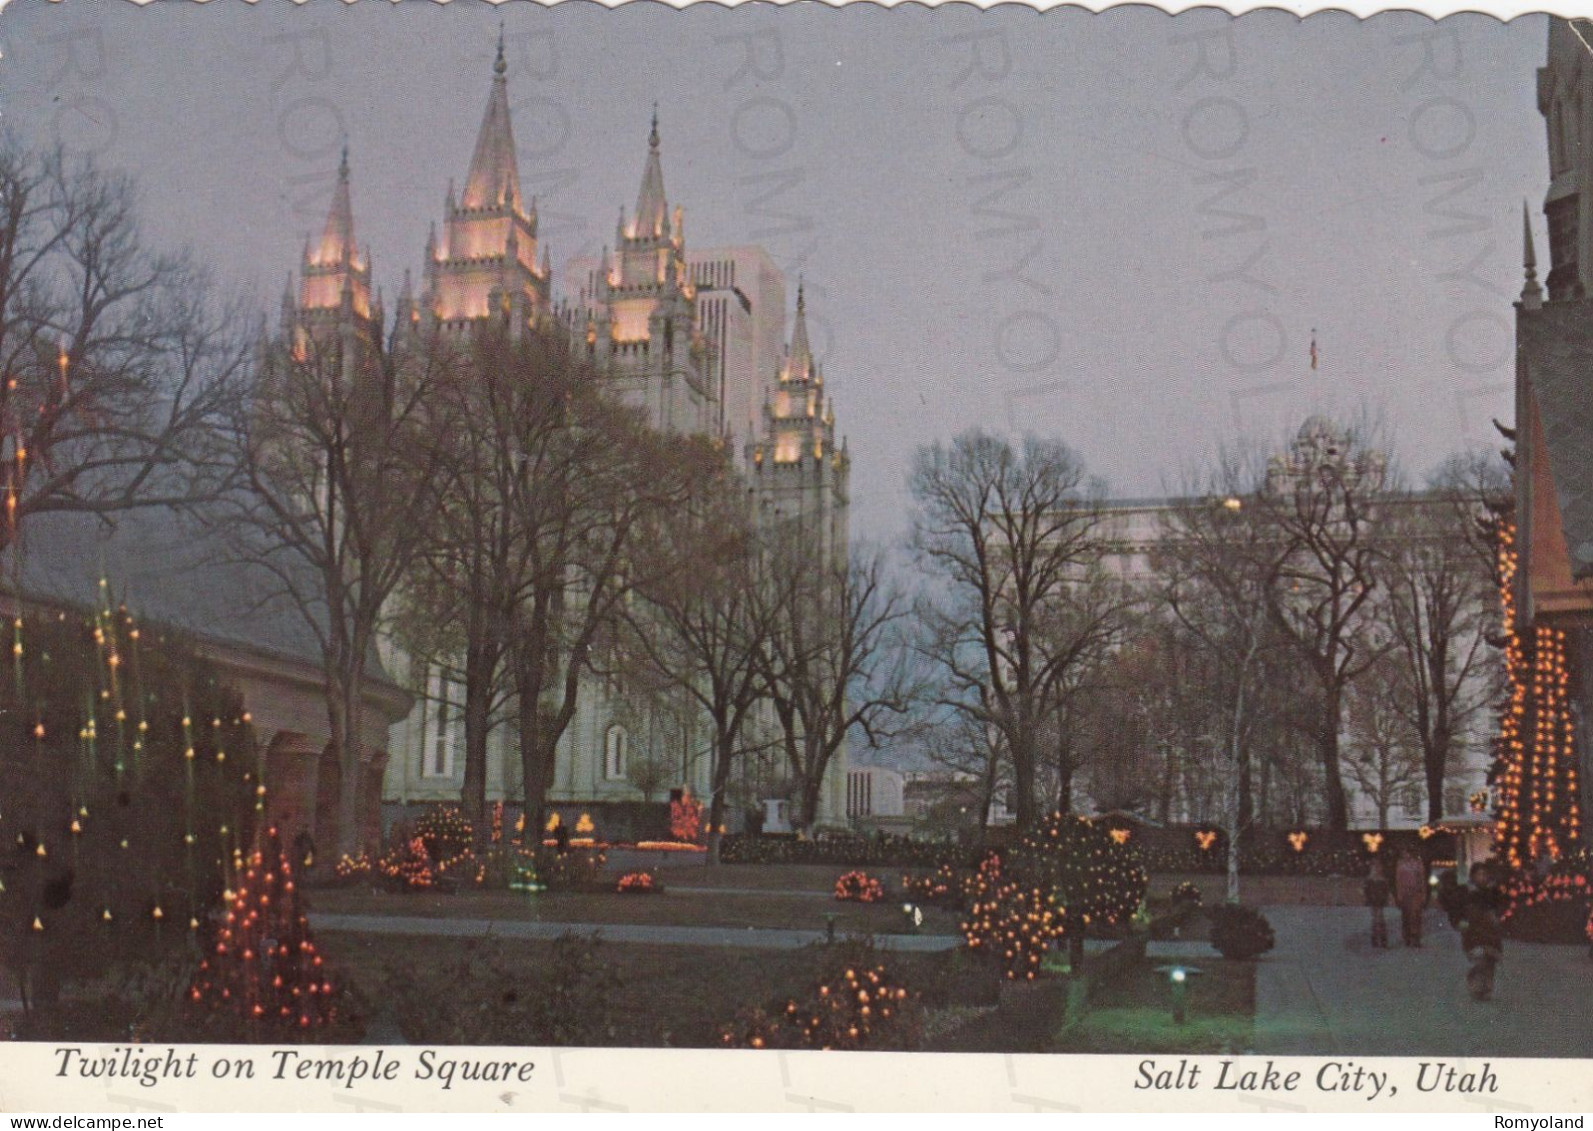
{"x":1473,"y":910}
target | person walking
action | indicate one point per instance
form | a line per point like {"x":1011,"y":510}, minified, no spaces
{"x":1481,"y":936}
{"x":1410,"y":893}
{"x":1376,"y":892}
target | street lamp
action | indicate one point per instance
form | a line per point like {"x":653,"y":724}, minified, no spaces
{"x":914,"y":914}
{"x":1178,"y":979}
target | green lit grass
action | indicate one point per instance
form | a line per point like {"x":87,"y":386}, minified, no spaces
{"x":1134,"y":1013}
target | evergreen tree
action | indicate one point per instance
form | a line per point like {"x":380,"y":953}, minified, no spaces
{"x":127,"y":784}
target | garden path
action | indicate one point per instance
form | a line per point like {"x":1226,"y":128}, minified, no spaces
{"x":1323,"y":990}
{"x":750,"y":938}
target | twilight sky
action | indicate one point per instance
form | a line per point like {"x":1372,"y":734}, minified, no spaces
{"x":1119,"y":229}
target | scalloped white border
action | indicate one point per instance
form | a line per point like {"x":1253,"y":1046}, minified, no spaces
{"x":1502,"y":10}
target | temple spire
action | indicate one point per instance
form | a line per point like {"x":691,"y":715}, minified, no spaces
{"x":337,"y":238}
{"x":652,"y":210}
{"x":1531,"y":292}
{"x":494,"y":179}
{"x":799,"y":365}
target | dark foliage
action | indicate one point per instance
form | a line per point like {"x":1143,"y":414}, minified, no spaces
{"x":1240,"y":933}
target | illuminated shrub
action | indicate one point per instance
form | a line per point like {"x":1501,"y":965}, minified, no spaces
{"x":407,"y":867}
{"x":859,"y":886}
{"x":445,"y":832}
{"x":1097,"y":878}
{"x":1012,"y":922}
{"x":262,"y":964}
{"x":941,"y":888}
{"x":856,"y":1004}
{"x":465,"y":869}
{"x":686,"y":819}
{"x":1186,"y":894}
{"x":637,"y":883}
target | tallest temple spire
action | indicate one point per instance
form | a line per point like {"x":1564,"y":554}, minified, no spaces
{"x":484,"y":265}
{"x":652,"y":209}
{"x":494,"y":180}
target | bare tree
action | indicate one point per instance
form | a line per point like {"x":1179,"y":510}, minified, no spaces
{"x":1219,"y":560}
{"x":975,"y":768}
{"x":117,"y":367}
{"x":508,"y":427}
{"x":834,"y":663}
{"x":1083,"y":634}
{"x":592,"y":499}
{"x":707,"y":628}
{"x":1321,"y":503}
{"x":338,"y":479}
{"x":1381,"y":758}
{"x":1440,"y":607}
{"x":1007,"y":535}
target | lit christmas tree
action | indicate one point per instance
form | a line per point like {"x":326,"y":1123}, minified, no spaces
{"x":126,"y":785}
{"x":1534,"y":776}
{"x":262,"y":964}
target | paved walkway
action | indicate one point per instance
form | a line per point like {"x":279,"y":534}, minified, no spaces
{"x":1324,"y":991}
{"x":750,"y":938}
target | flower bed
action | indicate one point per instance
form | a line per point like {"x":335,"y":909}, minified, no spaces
{"x":664,"y":846}
{"x":638,"y":883}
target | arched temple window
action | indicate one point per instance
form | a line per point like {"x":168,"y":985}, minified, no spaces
{"x":615,"y":744}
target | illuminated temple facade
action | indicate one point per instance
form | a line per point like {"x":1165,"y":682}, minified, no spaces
{"x":692,"y":341}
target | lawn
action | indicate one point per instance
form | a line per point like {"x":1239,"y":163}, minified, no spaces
{"x":1133,"y":1013}
{"x":450,"y":991}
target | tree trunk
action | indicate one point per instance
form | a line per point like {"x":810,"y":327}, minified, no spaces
{"x":1338,"y":810}
{"x":1023,"y":787}
{"x":536,"y":752}
{"x":1164,"y":803}
{"x":343,"y":710}
{"x":1436,"y":766}
{"x":724,"y":749}
{"x":479,"y":673}
{"x":1247,"y":798}
{"x":812,"y":786}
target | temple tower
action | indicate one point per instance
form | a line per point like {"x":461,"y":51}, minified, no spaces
{"x":485,"y":266}
{"x":797,"y":471}
{"x":638,"y":317}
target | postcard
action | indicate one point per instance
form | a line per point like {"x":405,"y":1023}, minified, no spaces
{"x":794,"y":557}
